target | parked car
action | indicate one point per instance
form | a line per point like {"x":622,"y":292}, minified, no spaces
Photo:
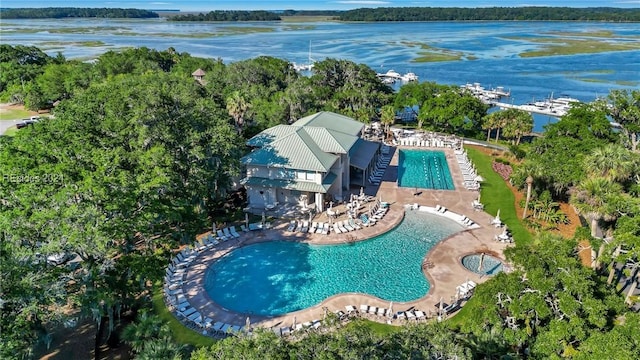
{"x":59,"y":258}
{"x":27,"y":122}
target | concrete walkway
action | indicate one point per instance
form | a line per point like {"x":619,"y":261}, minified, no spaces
{"x":444,"y":275}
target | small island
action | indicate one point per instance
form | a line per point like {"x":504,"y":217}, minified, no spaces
{"x":69,"y":12}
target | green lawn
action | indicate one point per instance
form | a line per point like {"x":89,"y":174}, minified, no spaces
{"x":495,"y":194}
{"x":12,"y":114}
{"x":180,"y":333}
{"x":11,"y":131}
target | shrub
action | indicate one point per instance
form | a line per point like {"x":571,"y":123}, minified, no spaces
{"x":517,"y":152}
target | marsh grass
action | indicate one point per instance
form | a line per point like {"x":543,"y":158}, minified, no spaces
{"x":429,"y":53}
{"x":62,"y":44}
{"x":555,"y":47}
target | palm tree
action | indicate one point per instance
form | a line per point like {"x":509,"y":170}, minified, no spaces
{"x":522,"y":124}
{"x":624,"y":107}
{"x":146,"y":328}
{"x":387,"y":117}
{"x":613,"y":162}
{"x":238,"y":108}
{"x":162,"y":348}
{"x":489,"y":123}
{"x":590,"y":199}
{"x":529,"y":181}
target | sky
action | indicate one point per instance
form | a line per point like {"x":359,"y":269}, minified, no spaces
{"x":209,"y":5}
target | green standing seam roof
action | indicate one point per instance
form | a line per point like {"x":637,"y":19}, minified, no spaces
{"x":331,"y":140}
{"x":298,"y":185}
{"x":332,"y":121}
{"x":297,"y":150}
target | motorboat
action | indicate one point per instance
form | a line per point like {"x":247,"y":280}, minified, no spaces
{"x":393,"y":74}
{"x":409,"y":77}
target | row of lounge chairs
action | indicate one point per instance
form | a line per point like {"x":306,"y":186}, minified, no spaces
{"x":343,"y":226}
{"x":174,"y":277}
{"x":441,"y":209}
{"x":380,"y":313}
{"x":346,"y":226}
{"x":381,"y":166}
{"x":466,"y":221}
{"x":309,"y":227}
{"x":469,"y":174}
{"x":290,"y":330}
{"x":425,"y":139}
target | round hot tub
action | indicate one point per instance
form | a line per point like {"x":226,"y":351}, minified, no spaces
{"x":482,"y":264}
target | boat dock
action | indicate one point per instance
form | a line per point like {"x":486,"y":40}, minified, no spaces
{"x":392,"y":76}
{"x":486,"y":95}
{"x":554,"y":107}
{"x":534,"y":109}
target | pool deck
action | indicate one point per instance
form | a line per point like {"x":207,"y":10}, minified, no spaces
{"x":444,"y":276}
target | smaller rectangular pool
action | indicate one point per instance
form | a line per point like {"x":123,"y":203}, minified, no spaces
{"x":424,"y":169}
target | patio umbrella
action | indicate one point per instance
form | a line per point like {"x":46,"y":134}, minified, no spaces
{"x":247,"y":324}
{"x":326,"y":309}
{"x":441,"y":307}
{"x":213,"y":229}
{"x":263,"y":218}
{"x":479,"y":196}
{"x":293,"y":326}
{"x":246,"y":220}
{"x":361,"y":191}
{"x":390,"y":313}
{"x":498,"y":215}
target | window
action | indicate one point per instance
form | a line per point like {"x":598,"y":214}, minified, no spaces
{"x":311,"y":176}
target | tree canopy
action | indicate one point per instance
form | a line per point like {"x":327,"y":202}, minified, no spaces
{"x":71,"y":12}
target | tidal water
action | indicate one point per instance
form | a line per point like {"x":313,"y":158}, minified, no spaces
{"x":490,"y":50}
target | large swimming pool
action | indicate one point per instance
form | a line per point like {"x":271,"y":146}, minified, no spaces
{"x":424,"y":169}
{"x":279,"y":277}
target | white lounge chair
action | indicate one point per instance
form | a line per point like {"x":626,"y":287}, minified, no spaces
{"x":320,"y":228}
{"x":314,"y":227}
{"x":325,"y":229}
{"x":336,"y":228}
{"x":341,"y":226}
{"x":221,"y":235}
{"x":346,"y":225}
{"x":233,"y":232}
{"x":227,"y":233}
{"x":292,"y":226}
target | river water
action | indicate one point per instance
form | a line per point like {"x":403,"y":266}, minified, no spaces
{"x":490,"y":50}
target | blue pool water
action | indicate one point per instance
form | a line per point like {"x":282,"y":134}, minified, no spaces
{"x":490,"y":265}
{"x":279,"y":277}
{"x":424,"y":169}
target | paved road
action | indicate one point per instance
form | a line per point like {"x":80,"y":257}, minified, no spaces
{"x":5,"y":124}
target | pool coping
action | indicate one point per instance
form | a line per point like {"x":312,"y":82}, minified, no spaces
{"x":443,"y":277}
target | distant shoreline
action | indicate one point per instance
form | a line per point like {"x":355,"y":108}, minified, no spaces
{"x":388,"y":14}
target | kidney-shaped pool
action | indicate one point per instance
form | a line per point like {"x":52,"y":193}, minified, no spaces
{"x":278,"y":277}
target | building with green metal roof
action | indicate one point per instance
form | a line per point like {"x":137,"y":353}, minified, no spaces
{"x":307,"y":163}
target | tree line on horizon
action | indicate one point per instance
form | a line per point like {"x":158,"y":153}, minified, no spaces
{"x":74,"y":12}
{"x":530,"y":13}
